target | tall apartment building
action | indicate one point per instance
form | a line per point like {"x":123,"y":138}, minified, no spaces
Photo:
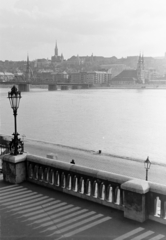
{"x":98,"y":77}
{"x":91,"y":77}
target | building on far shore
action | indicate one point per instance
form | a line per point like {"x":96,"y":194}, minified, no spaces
{"x":131,"y":76}
{"x":6,"y":76}
{"x":114,"y":69}
{"x":95,"y":78}
{"x":127,"y":76}
{"x":56,"y":58}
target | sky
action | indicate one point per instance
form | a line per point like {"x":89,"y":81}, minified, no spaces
{"x":106,"y":28}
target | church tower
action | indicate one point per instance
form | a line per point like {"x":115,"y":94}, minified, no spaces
{"x":140,"y":70}
{"x":56,"y":50}
{"x":27,"y":72}
{"x":56,"y":58}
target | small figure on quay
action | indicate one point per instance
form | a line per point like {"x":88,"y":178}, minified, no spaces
{"x":72,"y":162}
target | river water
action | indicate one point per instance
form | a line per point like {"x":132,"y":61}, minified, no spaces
{"x":125,"y":122}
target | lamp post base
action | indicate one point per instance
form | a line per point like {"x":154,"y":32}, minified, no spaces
{"x":14,"y":168}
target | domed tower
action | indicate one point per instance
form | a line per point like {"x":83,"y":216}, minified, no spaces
{"x":140,"y":70}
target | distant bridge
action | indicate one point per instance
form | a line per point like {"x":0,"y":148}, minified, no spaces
{"x":24,"y":86}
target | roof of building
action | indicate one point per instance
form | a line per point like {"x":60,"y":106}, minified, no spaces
{"x":126,"y":75}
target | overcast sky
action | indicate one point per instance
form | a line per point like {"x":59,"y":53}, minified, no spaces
{"x":103,"y":27}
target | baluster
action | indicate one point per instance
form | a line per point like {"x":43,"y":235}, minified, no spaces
{"x":102,"y":191}
{"x":95,"y":189}
{"x":36,"y":172}
{"x":109,"y":193}
{"x":75,"y":184}
{"x":45,"y":175}
{"x":51,"y":178}
{"x":63,"y":180}
{"x":81,"y":185}
{"x":68,"y":182}
{"x":57,"y":178}
{"x":62,"y":175}
{"x":117,"y":196}
{"x":157,"y":207}
{"x":41,"y":175}
{"x":88,"y":187}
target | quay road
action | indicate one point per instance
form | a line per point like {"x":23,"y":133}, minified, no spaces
{"x":133,"y":168}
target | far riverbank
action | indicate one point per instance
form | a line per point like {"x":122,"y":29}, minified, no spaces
{"x":128,"y":86}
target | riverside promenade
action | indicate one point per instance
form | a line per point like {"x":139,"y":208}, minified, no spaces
{"x":120,"y":165}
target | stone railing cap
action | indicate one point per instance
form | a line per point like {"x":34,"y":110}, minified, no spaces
{"x":14,"y":159}
{"x":136,"y":185}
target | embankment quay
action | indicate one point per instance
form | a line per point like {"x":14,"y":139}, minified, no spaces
{"x":117,"y":164}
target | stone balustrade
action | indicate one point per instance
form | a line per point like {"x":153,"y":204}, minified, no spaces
{"x":138,"y":199}
{"x":91,"y":184}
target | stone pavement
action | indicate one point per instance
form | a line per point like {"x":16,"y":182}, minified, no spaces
{"x":29,"y":211}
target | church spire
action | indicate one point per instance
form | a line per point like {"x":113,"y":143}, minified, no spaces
{"x":56,"y":50}
{"x":27,"y":73}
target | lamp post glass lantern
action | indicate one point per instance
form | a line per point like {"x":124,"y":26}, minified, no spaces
{"x":147,"y":165}
{"x":16,"y":145}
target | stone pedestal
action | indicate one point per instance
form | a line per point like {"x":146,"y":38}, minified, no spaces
{"x":14,"y":168}
{"x":135,"y":197}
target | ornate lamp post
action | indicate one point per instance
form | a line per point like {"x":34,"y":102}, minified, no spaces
{"x":147,"y":165}
{"x":16,"y":145}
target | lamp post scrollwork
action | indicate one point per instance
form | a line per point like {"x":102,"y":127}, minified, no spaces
{"x":16,"y":145}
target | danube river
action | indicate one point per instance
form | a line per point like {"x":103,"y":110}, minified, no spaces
{"x":129,"y":123}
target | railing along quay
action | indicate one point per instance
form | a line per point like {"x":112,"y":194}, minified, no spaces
{"x":83,"y":182}
{"x":138,"y":199}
